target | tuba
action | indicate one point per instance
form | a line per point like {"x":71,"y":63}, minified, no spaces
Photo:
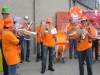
{"x":73,"y":30}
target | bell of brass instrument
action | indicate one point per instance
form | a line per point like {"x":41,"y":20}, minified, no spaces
{"x":73,"y":30}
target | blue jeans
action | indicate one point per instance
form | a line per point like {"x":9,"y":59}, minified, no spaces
{"x":27,"y":44}
{"x":72,"y":42}
{"x":39,"y":48}
{"x":44,"y":57}
{"x":12,"y":69}
{"x":88,"y":56}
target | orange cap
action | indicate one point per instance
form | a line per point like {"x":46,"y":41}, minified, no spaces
{"x":84,"y":18}
{"x":8,"y":22}
{"x":49,"y":20}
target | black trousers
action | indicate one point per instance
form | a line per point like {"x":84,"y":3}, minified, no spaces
{"x":5,"y":66}
{"x":95,"y":45}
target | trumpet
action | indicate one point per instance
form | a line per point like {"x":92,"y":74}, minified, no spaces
{"x":83,"y":35}
{"x":26,"y":31}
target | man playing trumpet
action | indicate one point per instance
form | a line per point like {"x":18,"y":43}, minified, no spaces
{"x":84,"y":47}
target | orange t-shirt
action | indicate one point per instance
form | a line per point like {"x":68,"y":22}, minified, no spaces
{"x":48,"y":38}
{"x":60,"y":32}
{"x":1,"y":26}
{"x":39,"y":36}
{"x":81,"y":46}
{"x":70,"y":28}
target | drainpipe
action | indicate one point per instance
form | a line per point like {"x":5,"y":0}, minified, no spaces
{"x":34,"y":27}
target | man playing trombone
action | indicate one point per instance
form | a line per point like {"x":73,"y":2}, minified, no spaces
{"x":27,"y":39}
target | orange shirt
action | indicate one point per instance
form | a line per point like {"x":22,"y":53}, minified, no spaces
{"x":10,"y":48}
{"x":48,"y":38}
{"x":70,"y":28}
{"x":60,"y":32}
{"x":1,"y":26}
{"x":81,"y":46}
{"x":39,"y":36}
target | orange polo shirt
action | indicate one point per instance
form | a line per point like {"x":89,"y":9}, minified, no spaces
{"x":70,"y":28}
{"x":1,"y":27}
{"x":39,"y":36}
{"x":48,"y":38}
{"x":81,"y":46}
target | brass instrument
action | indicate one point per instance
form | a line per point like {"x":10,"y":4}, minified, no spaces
{"x":73,"y":30}
{"x":82,"y":37}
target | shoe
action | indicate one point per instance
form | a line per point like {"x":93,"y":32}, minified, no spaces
{"x":21,"y":61}
{"x":51,"y":69}
{"x":27,"y":60}
{"x":70,"y":57}
{"x":37,"y":60}
{"x":84,"y":62}
{"x":75,"y":57}
{"x":43,"y":71}
{"x":98,"y":59}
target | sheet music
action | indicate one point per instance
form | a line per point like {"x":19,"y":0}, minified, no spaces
{"x":17,"y":19}
{"x":81,"y":31}
{"x":53,"y":31}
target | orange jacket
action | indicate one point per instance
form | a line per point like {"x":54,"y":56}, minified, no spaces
{"x":70,"y":28}
{"x":10,"y":49}
{"x":39,"y":37}
{"x":48,"y":39}
{"x":1,"y":26}
{"x":81,"y":46}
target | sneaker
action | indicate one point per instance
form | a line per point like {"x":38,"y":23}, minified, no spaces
{"x":43,"y":71}
{"x":70,"y":57}
{"x":51,"y":69}
{"x":21,"y":61}
{"x":27,"y":60}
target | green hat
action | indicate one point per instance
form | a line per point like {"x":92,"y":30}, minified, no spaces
{"x":5,"y":10}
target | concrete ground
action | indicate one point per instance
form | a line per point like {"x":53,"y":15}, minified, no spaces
{"x":70,"y":67}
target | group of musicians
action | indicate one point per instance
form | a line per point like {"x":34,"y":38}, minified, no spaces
{"x":83,"y":43}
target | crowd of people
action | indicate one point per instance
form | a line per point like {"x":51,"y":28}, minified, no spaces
{"x":14,"y":41}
